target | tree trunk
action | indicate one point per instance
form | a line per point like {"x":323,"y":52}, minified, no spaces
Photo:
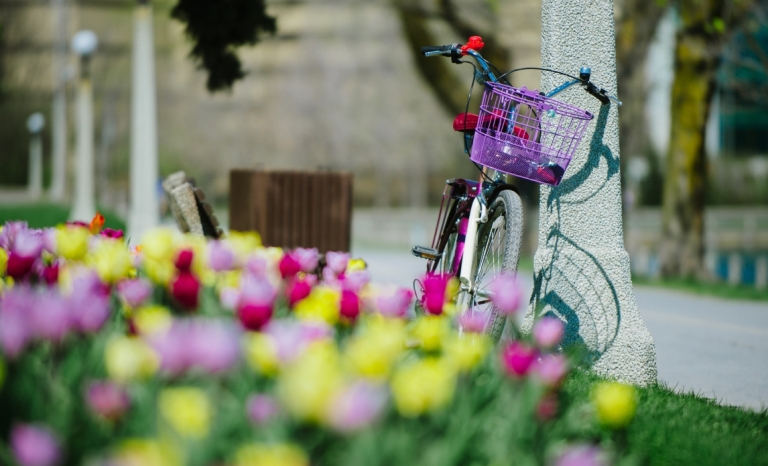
{"x":697,"y":56}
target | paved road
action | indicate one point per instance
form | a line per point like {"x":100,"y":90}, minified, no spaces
{"x":714,"y":347}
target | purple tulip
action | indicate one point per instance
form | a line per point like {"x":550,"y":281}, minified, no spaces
{"x":134,"y":291}
{"x":517,"y":358}
{"x":15,"y":325}
{"x":473,"y":321}
{"x":112,"y":233}
{"x":34,"y":445}
{"x":9,"y":233}
{"x":28,"y":243}
{"x":396,"y":304}
{"x":307,"y":258}
{"x":292,"y":337}
{"x":107,"y":399}
{"x":257,"y":267}
{"x":337,"y":261}
{"x":358,"y":406}
{"x":548,"y":331}
{"x":506,"y":293}
{"x":51,"y":316}
{"x":582,"y":455}
{"x":49,"y":240}
{"x":355,"y":281}
{"x":229,"y":298}
{"x":171,"y":348}
{"x":261,"y":408}
{"x":213,"y":345}
{"x":89,"y":302}
{"x":220,"y":257}
{"x":551,"y":369}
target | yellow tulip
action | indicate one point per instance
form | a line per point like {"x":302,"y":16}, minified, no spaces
{"x":160,"y":271}
{"x":243,"y":243}
{"x":321,"y":304}
{"x":261,"y":353}
{"x":111,"y":259}
{"x":159,"y":245}
{"x":423,"y":386}
{"x":356,"y":265}
{"x":129,"y":358}
{"x":270,"y":455}
{"x":615,"y":403}
{"x":466,"y":351}
{"x":145,"y":452}
{"x":309,"y":384}
{"x":187,"y":410}
{"x":152,"y":320}
{"x":3,"y":261}
{"x":72,"y":242}
{"x":375,"y":349}
{"x":430,"y":331}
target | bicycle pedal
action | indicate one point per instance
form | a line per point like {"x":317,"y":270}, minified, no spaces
{"x":425,"y":252}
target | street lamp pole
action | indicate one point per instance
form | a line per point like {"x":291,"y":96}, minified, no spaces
{"x":84,"y":44}
{"x":144,"y":212}
{"x":35,"y":125}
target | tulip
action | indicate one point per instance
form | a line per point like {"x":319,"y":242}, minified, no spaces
{"x":89,"y":303}
{"x":337,"y":261}
{"x":615,"y":403}
{"x":186,"y":290}
{"x":506,"y":293}
{"x":356,"y":280}
{"x":18,"y":266}
{"x":298,"y":290}
{"x":357,"y":406}
{"x":112,"y":234}
{"x":307,"y":259}
{"x":423,"y":386}
{"x":134,"y":291}
{"x":51,"y":316}
{"x":8,"y":233}
{"x":261,"y":408}
{"x":3,"y":261}
{"x":551,"y":369}
{"x":270,"y":455}
{"x":50,"y":274}
{"x":548,"y":331}
{"x":254,"y":316}
{"x":34,"y":445}
{"x":212,"y":345}
{"x":107,"y":399}
{"x":517,"y":358}
{"x":349,"y":306}
{"x":473,"y":321}
{"x":97,"y":222}
{"x":15,"y":325}
{"x":220,"y":257}
{"x":187,"y":410}
{"x":582,"y":455}
{"x":288,"y":266}
{"x":396,"y":304}
{"x":72,"y":242}
{"x":547,"y":407}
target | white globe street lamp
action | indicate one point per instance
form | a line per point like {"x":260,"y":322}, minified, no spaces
{"x":84,"y":44}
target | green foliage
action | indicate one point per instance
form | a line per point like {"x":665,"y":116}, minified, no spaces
{"x":44,"y":215}
{"x":219,"y":27}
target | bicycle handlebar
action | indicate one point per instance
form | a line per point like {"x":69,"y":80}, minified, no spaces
{"x":455,"y":51}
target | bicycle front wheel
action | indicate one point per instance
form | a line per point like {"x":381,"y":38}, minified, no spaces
{"x":498,"y":252}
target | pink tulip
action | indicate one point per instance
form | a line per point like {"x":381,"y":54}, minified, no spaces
{"x":261,"y":409}
{"x":34,"y":445}
{"x":506,"y":293}
{"x":355,"y":281}
{"x":298,"y":290}
{"x":582,"y":455}
{"x":358,"y":406}
{"x":473,"y":321}
{"x":220,"y":257}
{"x":254,"y":316}
{"x":307,"y":258}
{"x":434,"y":293}
{"x":229,"y":298}
{"x":551,"y":369}
{"x":257,"y":298}
{"x":548,"y":331}
{"x":257,"y":266}
{"x":107,"y":399}
{"x":112,"y":233}
{"x":134,"y":291}
{"x":337,"y":261}
{"x":396,"y":304}
{"x":15,"y":325}
{"x":292,"y":337}
{"x":349,"y":307}
{"x":517,"y":358}
{"x":288,"y":266}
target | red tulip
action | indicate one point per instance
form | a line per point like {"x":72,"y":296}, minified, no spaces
{"x":185,"y":288}
{"x":518,"y":358}
{"x":297,"y":291}
{"x":254,"y":316}
{"x":289,"y":266}
{"x":350,"y":305}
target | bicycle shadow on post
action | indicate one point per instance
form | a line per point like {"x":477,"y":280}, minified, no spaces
{"x":571,"y":284}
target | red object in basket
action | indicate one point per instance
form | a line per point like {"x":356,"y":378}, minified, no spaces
{"x":467,"y":122}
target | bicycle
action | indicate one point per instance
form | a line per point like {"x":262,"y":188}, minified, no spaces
{"x":517,"y":132}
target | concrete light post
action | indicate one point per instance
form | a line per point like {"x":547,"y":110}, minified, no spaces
{"x":35,"y":125}
{"x":581,"y":270}
{"x":84,"y":45}
{"x":144,"y":211}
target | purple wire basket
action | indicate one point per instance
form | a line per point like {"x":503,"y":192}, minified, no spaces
{"x":526,"y":134}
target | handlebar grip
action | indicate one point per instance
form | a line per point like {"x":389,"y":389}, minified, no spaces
{"x":442,"y":49}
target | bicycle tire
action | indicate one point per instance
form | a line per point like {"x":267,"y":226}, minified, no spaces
{"x":498,"y":251}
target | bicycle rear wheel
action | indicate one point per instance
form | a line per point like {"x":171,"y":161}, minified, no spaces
{"x":498,"y":251}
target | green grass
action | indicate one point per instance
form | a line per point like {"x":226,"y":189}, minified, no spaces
{"x":48,"y":215}
{"x":719,"y":289}
{"x":685,"y":429}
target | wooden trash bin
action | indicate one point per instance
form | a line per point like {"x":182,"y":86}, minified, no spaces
{"x":289,"y":209}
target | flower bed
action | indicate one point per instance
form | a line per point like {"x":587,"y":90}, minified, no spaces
{"x":187,"y":351}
